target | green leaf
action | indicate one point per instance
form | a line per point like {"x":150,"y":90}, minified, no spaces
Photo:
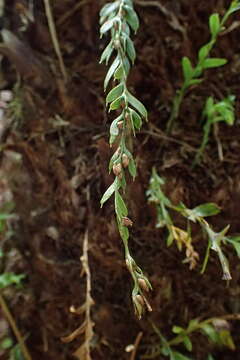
{"x":234,"y":7}
{"x":126,"y":65}
{"x":214,"y":24}
{"x":135,"y":119}
{"x":193,"y":324}
{"x":5,"y":216}
{"x":195,"y":82}
{"x":110,"y":72}
{"x":137,"y":105}
{"x":120,"y":206}
{"x":114,"y":158}
{"x":235,"y":242}
{"x":114,"y":93}
{"x":237,"y":248}
{"x":188,"y":344}
{"x":124,"y":232}
{"x":178,"y":356}
{"x":187,"y":68}
{"x":210,"y":357}
{"x":107,"y":26}
{"x":132,"y":168}
{"x":213,"y":62}
{"x":130,"y":49}
{"x":204,"y":51}
{"x":177,"y":329}
{"x":118,"y":75}
{"x":226,"y":339}
{"x":9,"y":278}
{"x":208,"y":209}
{"x":108,"y":9}
{"x":116,"y":104}
{"x":170,"y":239}
{"x":108,"y":193}
{"x":114,"y":130}
{"x":16,"y":353}
{"x":6,"y":343}
{"x":210,"y":332}
{"x":107,"y":52}
{"x":132,"y":18}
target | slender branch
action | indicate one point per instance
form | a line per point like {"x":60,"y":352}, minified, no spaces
{"x":54,"y":37}
{"x":14,"y":327}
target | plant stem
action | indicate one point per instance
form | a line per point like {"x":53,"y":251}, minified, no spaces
{"x":176,"y":107}
{"x":206,"y":258}
{"x":207,"y":129}
{"x":14,"y":327}
{"x":180,"y":94}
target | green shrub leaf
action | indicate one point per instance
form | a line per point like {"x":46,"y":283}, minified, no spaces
{"x":108,"y":193}
{"x":187,"y":68}
{"x":188,"y":344}
{"x":132,"y":168}
{"x":114,"y":93}
{"x":116,"y":104}
{"x":120,"y":206}
{"x":107,"y":26}
{"x":110,"y":72}
{"x":177,"y":329}
{"x":137,"y":105}
{"x":204,"y":210}
{"x":136,"y":119}
{"x":214,"y":24}
{"x":132,"y":18}
{"x":106,"y":53}
{"x":130,"y":49}
{"x":214,"y":62}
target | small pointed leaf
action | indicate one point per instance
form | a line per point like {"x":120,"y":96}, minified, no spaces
{"x":137,"y":105}
{"x":214,"y":24}
{"x":213,"y":62}
{"x":114,"y":93}
{"x":132,"y":18}
{"x":187,"y":68}
{"x":108,"y":193}
{"x":110,"y":72}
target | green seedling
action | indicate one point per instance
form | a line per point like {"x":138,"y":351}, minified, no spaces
{"x":192,"y":75}
{"x":183,"y":237}
{"x":215,"y":112}
{"x":217,"y":330}
{"x":119,"y":19}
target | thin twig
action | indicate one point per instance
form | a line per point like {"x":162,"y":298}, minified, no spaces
{"x":136,"y":344}
{"x":15,"y":329}
{"x":173,"y":20}
{"x":155,"y":132}
{"x":71,"y":12}
{"x":54,"y":37}
{"x":89,"y":300}
{"x":86,"y":328}
{"x":218,"y":141}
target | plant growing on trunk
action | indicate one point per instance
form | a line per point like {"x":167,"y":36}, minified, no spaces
{"x":192,"y":75}
{"x":119,"y":19}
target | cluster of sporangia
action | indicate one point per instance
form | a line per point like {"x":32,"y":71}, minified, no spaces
{"x":119,"y":19}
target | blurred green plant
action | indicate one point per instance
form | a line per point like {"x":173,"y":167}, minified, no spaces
{"x":215,"y":112}
{"x":119,"y":19}
{"x":216,"y":329}
{"x":183,"y":237}
{"x":192,"y":75}
{"x":18,"y":351}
